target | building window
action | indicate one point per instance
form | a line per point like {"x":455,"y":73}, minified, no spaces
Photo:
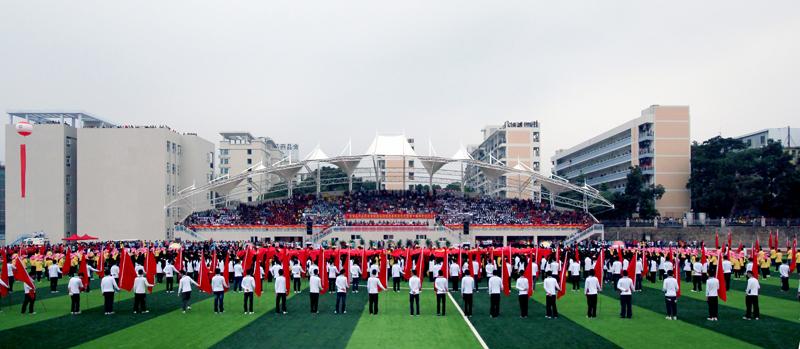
{"x":68,"y":180}
{"x":173,"y":190}
{"x":167,"y":211}
{"x":223,"y":161}
{"x":223,"y":152}
{"x":249,"y":189}
{"x":168,"y":143}
{"x":249,"y":161}
{"x":69,"y":160}
{"x":422,"y":236}
{"x":411,"y":163}
{"x":167,"y":189}
{"x":249,"y":199}
{"x":173,"y":168}
{"x":168,"y":167}
{"x":763,"y":140}
{"x":68,"y":217}
{"x":749,"y":142}
{"x":208,"y":177}
{"x":223,"y":170}
{"x":173,"y":148}
{"x":179,"y":170}
{"x":68,"y":199}
{"x":388,"y":237}
{"x":249,"y":151}
{"x":69,"y":142}
{"x":442,"y":239}
{"x":179,"y":149}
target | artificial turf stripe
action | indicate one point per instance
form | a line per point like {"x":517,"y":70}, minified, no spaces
{"x":393,"y":326}
{"x":511,"y":331}
{"x":56,"y":307}
{"x":769,"y":332}
{"x":769,"y":306}
{"x":768,"y":288}
{"x":198,"y":328}
{"x":43,"y":291}
{"x":300,"y":328}
{"x":70,"y":330}
{"x":608,"y":325}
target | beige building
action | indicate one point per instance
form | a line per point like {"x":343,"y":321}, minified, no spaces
{"x":659,"y":141}
{"x":239,"y":152}
{"x":392,"y":171}
{"x":91,"y":177}
{"x":514,"y":144}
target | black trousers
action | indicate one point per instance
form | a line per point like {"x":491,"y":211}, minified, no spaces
{"x":523,"y":304}
{"x":186,"y":298}
{"x":752,"y":304}
{"x":615,"y":278}
{"x":441,"y":305}
{"x":672,"y":306}
{"x":638,"y":282}
{"x":169,"y":283}
{"x":280,"y":302}
{"x":412,"y":299}
{"x":626,"y":304}
{"x":108,"y":302}
{"x":28,"y":302}
{"x":467,"y":304}
{"x":591,"y":301}
{"x":160,"y":277}
{"x":785,"y":284}
{"x":494,"y":305}
{"x":297,"y":283}
{"x":53,"y":284}
{"x":373,"y":303}
{"x":652,"y":277}
{"x":454,"y":282}
{"x":713,"y":306}
{"x":10,"y":283}
{"x":76,"y":303}
{"x":727,"y":281}
{"x":343,"y":297}
{"x":550,"y":305}
{"x":697,"y":284}
{"x":138,"y":300}
{"x":764,"y":273}
{"x":576,"y":282}
{"x":314,"y":302}
{"x":331,"y":285}
{"x":396,"y":284}
{"x":248,"y":296}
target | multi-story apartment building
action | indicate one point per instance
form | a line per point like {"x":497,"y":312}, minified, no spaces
{"x":239,"y":151}
{"x":659,"y":141}
{"x":292,"y":150}
{"x":513,"y":144}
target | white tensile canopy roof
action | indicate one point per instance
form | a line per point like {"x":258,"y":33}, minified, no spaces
{"x":315,"y":155}
{"x":392,"y":145}
{"x":462,"y":154}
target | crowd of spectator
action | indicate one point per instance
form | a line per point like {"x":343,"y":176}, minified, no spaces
{"x":448,"y":209}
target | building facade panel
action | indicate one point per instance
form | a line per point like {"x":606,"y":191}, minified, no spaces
{"x":673,"y":147}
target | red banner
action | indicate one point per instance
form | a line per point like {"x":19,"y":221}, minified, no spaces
{"x":389,"y":216}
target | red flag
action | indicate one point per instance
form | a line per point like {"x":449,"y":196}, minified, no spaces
{"x":179,"y":260}
{"x":67,"y":262}
{"x":286,"y":269}
{"x":478,"y":257}
{"x":598,"y":267}
{"x":674,"y":268}
{"x":204,"y":284}
{"x":703,"y":253}
{"x":632,"y":267}
{"x":756,"y":262}
{"x":460,"y":262}
{"x":793,"y":256}
{"x":127,"y":273}
{"x":21,"y":275}
{"x":248,"y":260}
{"x":445,"y":266}
{"x":257,"y":276}
{"x":562,"y":278}
{"x":620,"y":254}
{"x":577,"y":255}
{"x":722,"y":292}
{"x":730,"y":245}
{"x":4,"y":274}
{"x":645,"y":267}
{"x":382,"y":274}
{"x":407,"y":266}
{"x":226,"y":273}
{"x":213,"y":270}
{"x":303,"y":258}
{"x":323,"y":271}
{"x":506,"y":275}
{"x":716,"y":242}
{"x":347,"y":270}
{"x":421,"y":265}
{"x":770,"y":240}
{"x":529,"y":274}
{"x":150,"y":267}
{"x":101,"y":264}
{"x":82,"y":269}
{"x":741,"y":246}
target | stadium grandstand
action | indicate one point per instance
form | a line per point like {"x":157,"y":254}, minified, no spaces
{"x":349,"y":201}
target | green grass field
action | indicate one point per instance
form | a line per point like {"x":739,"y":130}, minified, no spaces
{"x":167,"y":327}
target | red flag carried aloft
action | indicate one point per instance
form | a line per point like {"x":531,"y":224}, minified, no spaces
{"x":598,"y":267}
{"x":506,"y":272}
{"x":703,"y":253}
{"x":323,"y":270}
{"x":204,"y":283}
{"x":421,"y":265}
{"x":716,"y":242}
{"x":529,"y":274}
{"x":677,"y":276}
{"x":407,"y":265}
{"x":226,"y":272}
{"x":756,"y":262}
{"x":67,"y":262}
{"x":770,"y":240}
{"x":127,"y":273}
{"x":4,"y":274}
{"x":257,"y":276}
{"x":382,"y":273}
{"x":562,"y":278}
{"x":722,"y":292}
{"x":82,"y":269}
{"x":101,"y":263}
{"x":632,"y":266}
{"x":150,"y":267}
{"x":21,"y":275}
{"x":793,"y":256}
{"x":179,"y":260}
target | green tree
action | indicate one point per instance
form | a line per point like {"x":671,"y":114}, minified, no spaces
{"x":639,"y":198}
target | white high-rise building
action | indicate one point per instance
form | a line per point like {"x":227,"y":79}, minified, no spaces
{"x":513,"y":144}
{"x":239,"y":152}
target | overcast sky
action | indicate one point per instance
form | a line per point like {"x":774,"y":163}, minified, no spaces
{"x":306,"y":72}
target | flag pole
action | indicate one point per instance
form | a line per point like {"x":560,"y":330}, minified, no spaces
{"x":42,"y":303}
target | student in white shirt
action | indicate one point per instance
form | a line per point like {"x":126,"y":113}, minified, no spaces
{"x":616,"y":270}
{"x":440,"y":285}
{"x":587,"y":265}
{"x":625,"y":287}
{"x":522,"y":287}
{"x":671,"y":288}
{"x":495,"y":287}
{"x":414,"y":288}
{"x":397,"y":271}
{"x":575,"y":275}
{"x":28,"y":301}
{"x":374,"y":286}
{"x":751,"y":298}
{"x":590,"y":289}
{"x":108,"y":287}
{"x":712,"y":285}
{"x":218,"y":286}
{"x":697,"y":272}
{"x":534,"y":274}
{"x":341,"y":292}
{"x":54,"y":272}
{"x":314,"y":286}
{"x":467,"y":289}
{"x":297,"y":276}
{"x":280,"y":293}
{"x":140,"y":286}
{"x":727,"y":268}
{"x":169,"y":272}
{"x":75,"y":286}
{"x":551,"y":288}
{"x":115,"y":273}
{"x":159,"y":272}
{"x":332,"y":273}
{"x":248,"y":287}
{"x":784,"y":271}
{"x":355,"y":275}
{"x":489,"y":270}
{"x":185,"y":289}
{"x":238,"y":274}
